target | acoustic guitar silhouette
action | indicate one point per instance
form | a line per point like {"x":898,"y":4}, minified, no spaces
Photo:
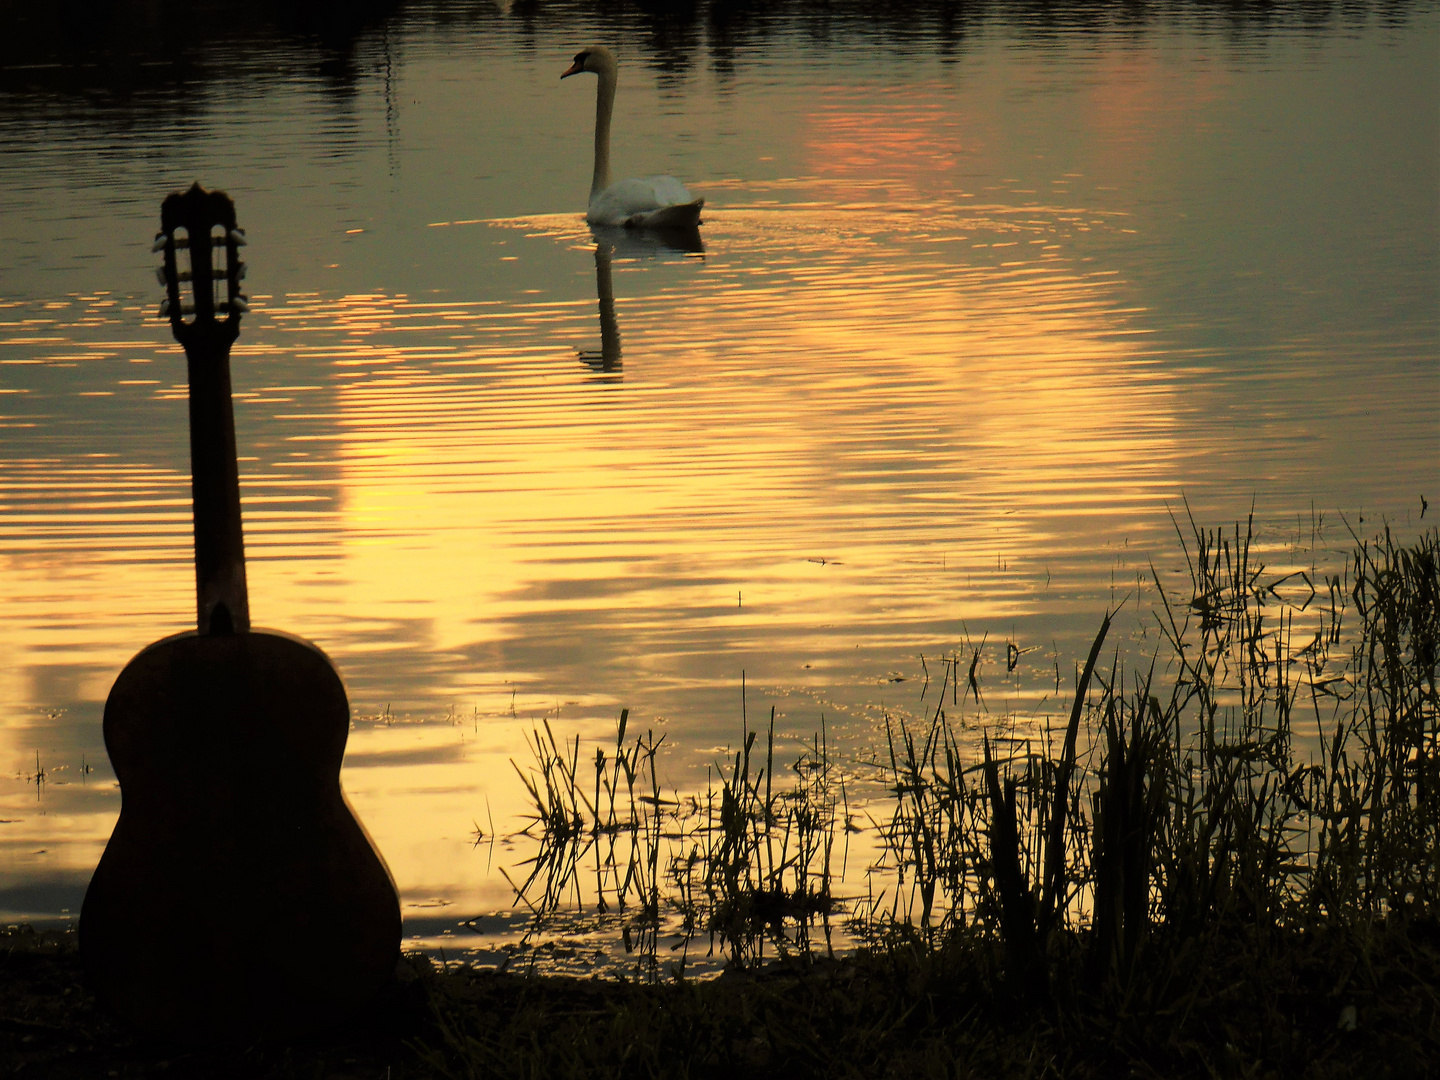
{"x":238,"y":896}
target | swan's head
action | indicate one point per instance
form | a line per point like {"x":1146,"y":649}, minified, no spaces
{"x":596,"y":58}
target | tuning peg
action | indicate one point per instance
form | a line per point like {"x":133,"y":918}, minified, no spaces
{"x":159,"y":244}
{"x":164,"y":309}
{"x":240,"y":271}
{"x":160,"y":275}
{"x":240,"y":303}
{"x":237,"y":236}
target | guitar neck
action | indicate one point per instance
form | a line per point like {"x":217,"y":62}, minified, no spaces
{"x":203,"y":224}
{"x":222,"y":600}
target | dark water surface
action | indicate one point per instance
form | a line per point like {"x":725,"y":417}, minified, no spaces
{"x":979,"y":303}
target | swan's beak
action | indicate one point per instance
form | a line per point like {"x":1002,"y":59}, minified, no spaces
{"x":573,"y":69}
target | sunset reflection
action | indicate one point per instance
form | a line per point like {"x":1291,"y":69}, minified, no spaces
{"x":955,"y":338}
{"x":951,"y":397}
{"x":468,"y":523}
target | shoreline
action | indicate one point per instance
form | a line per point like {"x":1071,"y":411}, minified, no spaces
{"x":1282,"y":1009}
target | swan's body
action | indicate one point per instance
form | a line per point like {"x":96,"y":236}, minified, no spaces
{"x":651,"y":202}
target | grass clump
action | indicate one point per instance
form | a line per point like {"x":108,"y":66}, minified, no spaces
{"x":1226,"y":858}
{"x":747,"y":865}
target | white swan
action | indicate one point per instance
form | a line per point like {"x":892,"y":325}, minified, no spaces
{"x":660,"y":202}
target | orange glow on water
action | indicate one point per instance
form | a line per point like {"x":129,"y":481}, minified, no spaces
{"x":900,"y":135}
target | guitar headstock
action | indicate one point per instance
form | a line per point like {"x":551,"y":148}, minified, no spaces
{"x":202,"y":311}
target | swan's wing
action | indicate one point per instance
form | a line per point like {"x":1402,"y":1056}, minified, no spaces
{"x":624,"y":200}
{"x":669,"y":191}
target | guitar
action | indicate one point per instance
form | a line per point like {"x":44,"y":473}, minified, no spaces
{"x":239,"y":897}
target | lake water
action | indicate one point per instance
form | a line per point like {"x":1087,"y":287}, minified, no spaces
{"x":979,"y":305}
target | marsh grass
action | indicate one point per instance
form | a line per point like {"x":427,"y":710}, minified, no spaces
{"x":745,"y":865}
{"x":1196,"y":814}
{"x":1254,"y":804}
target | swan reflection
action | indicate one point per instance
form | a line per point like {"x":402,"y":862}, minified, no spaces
{"x":607,"y":359}
{"x":627,"y":244}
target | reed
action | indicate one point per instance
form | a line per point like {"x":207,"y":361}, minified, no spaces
{"x":1253,"y":805}
{"x":748,"y":864}
{"x":1189,"y":808}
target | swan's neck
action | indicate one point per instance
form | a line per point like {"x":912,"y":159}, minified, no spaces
{"x":604,"y":106}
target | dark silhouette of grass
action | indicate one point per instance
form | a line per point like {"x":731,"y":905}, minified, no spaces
{"x":1190,"y":840}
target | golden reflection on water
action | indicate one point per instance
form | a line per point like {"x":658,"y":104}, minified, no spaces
{"x":440,"y":494}
{"x":927,"y":385}
{"x":813,"y":389}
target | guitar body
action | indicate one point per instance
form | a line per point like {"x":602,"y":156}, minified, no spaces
{"x":238,"y":896}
